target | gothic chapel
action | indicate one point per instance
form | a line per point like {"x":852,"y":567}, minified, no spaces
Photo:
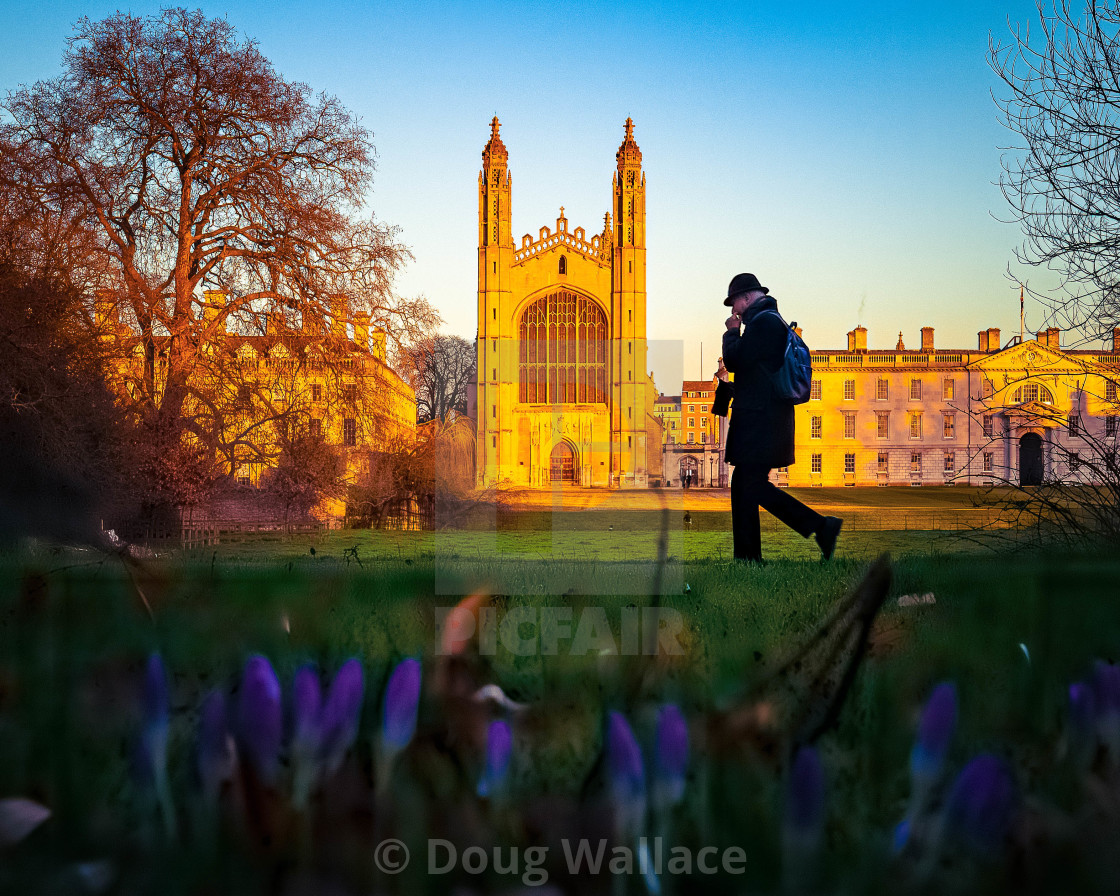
{"x":563,"y":396}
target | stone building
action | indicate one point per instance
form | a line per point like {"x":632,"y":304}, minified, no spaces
{"x":562,"y":392}
{"x":1018,"y":412}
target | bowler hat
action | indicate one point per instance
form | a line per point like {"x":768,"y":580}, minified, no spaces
{"x":741,"y":283}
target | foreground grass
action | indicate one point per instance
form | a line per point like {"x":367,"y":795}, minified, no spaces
{"x":73,"y":638}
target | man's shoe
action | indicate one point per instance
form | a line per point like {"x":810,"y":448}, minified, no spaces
{"x":827,"y":534}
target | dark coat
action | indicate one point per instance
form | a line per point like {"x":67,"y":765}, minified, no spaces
{"x":760,"y":432}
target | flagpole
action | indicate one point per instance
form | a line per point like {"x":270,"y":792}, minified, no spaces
{"x":1020,"y":313}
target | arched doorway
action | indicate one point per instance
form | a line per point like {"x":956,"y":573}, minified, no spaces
{"x":688,"y":465}
{"x":562,"y":464}
{"x":1030,"y":459}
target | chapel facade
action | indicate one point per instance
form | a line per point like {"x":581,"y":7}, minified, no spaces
{"x":563,"y":396}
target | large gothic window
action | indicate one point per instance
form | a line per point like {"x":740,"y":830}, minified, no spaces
{"x":563,"y":351}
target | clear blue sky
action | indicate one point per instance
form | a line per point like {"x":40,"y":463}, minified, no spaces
{"x":846,"y":153}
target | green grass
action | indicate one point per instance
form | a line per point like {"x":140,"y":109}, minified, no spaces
{"x":73,"y":638}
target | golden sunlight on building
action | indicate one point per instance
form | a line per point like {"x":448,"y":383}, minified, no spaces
{"x":562,"y":390}
{"x":322,"y":376}
{"x":1024,"y":413}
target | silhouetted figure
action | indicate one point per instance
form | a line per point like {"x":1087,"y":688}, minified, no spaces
{"x":760,"y":431}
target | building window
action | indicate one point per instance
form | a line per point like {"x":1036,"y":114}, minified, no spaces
{"x":915,"y":462}
{"x":916,"y":425}
{"x":814,"y":427}
{"x":883,"y":462}
{"x":850,"y":462}
{"x":950,"y":461}
{"x":691,"y":422}
{"x":950,"y":426}
{"x":691,"y":410}
{"x":1110,"y":391}
{"x":989,"y":388}
{"x":563,"y":265}
{"x":691,"y":438}
{"x":988,"y":425}
{"x":1074,"y":425}
{"x":883,"y":424}
{"x":1074,"y":461}
{"x":349,"y":432}
{"x":815,"y":463}
{"x":316,"y":428}
{"x":703,"y":438}
{"x":989,"y":457}
{"x":915,"y":390}
{"x":316,"y":392}
{"x":704,"y":409}
{"x":1110,"y":427}
{"x":815,"y":389}
{"x":947,"y":389}
{"x":563,"y":351}
{"x":350,"y":393}
{"x":882,"y":388}
{"x":849,"y":426}
{"x":849,"y":390}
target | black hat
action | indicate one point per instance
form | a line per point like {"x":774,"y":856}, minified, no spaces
{"x":741,"y":283}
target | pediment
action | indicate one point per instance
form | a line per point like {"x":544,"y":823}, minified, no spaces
{"x":1029,"y":356}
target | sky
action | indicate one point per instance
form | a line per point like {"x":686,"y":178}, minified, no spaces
{"x":847,"y":154}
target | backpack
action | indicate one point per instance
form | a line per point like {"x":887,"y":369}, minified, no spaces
{"x":793,"y":380}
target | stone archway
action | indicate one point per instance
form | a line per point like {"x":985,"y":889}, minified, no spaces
{"x":563,"y":464}
{"x":689,"y":464}
{"x":1030,"y":459}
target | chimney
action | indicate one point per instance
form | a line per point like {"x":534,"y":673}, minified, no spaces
{"x":361,"y":331}
{"x":1116,"y":339}
{"x":378,"y":349}
{"x":927,"y":339}
{"x":1040,"y":337}
{"x":338,"y":317}
{"x":1052,"y":338}
{"x":982,"y":340}
{"x":900,"y":347}
{"x":851,"y":340}
{"x":993,"y":339}
{"x":861,"y":339}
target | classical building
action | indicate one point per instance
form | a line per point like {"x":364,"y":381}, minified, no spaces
{"x":562,"y":390}
{"x":1019,"y":413}
{"x":327,"y":378}
{"x":667,"y":409}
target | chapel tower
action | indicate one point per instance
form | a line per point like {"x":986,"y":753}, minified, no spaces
{"x":562,"y":394}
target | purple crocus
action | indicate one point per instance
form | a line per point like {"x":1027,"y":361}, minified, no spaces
{"x":1082,"y":727}
{"x":803,"y":820}
{"x":258,"y":725}
{"x":499,"y":749}
{"x":342,"y":710}
{"x":214,"y":751}
{"x":1106,"y":692}
{"x":671,"y":756}
{"x":981,"y":805}
{"x":402,"y":702}
{"x":156,"y":721}
{"x":626,"y":775}
{"x":935,"y":731}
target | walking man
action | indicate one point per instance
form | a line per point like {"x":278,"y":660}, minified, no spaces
{"x":760,"y":432}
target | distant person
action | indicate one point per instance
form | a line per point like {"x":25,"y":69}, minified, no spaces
{"x":760,"y":431}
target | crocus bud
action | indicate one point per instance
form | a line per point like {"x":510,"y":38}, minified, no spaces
{"x":402,"y":702}
{"x":935,"y":731}
{"x":342,"y":710}
{"x":214,"y":751}
{"x":981,"y":805}
{"x":803,"y":820}
{"x":152,"y":754}
{"x":499,"y":748}
{"x":259,"y":722}
{"x":1106,"y":691}
{"x":671,"y":761}
{"x":626,"y":774}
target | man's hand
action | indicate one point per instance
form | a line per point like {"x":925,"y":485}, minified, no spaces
{"x":733,"y":322}
{"x":721,"y":372}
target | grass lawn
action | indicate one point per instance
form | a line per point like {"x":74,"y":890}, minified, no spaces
{"x":74,"y":638}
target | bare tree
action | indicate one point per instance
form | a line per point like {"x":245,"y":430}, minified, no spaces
{"x":196,"y":166}
{"x":439,"y":368}
{"x":1062,"y":182}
